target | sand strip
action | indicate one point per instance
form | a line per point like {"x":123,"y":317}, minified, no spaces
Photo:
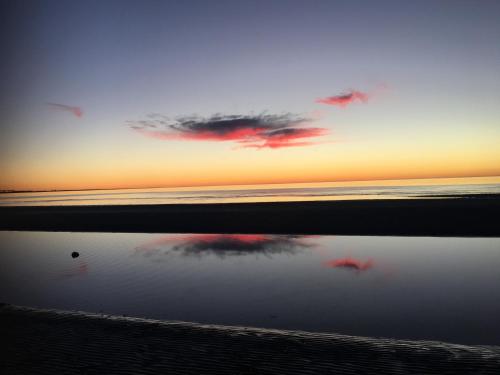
{"x":473,"y":216}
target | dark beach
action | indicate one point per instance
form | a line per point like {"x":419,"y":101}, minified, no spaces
{"x":41,"y":341}
{"x":451,"y":216}
{"x":44,"y":341}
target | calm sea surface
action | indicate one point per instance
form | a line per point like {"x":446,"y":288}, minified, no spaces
{"x":396,"y":189}
{"x":401,"y":287}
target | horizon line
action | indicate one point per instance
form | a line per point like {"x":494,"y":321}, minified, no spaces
{"x":13,"y":191}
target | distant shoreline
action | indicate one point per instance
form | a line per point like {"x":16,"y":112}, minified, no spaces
{"x":470,"y":216}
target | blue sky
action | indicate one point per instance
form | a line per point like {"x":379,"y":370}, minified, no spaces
{"x":122,"y":60}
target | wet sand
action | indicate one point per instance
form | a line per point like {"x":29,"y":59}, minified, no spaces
{"x":50,"y":342}
{"x":465,"y":216}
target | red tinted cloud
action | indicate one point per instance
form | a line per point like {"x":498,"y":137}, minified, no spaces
{"x":344,"y":100}
{"x":350,"y":263}
{"x":289,"y":137}
{"x":77,"y":111}
{"x":259,"y":131}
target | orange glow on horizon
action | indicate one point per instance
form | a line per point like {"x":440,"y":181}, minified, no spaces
{"x":102,"y":184}
{"x":110,"y":169}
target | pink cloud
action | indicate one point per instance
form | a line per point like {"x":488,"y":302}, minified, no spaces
{"x":290,"y":137}
{"x":76,"y":111}
{"x":344,"y":100}
{"x":259,"y":131}
{"x":351,"y":96}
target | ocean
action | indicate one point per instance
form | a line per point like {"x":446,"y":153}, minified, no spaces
{"x":388,"y":189}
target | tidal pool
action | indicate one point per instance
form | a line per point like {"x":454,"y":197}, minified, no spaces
{"x":399,"y":287}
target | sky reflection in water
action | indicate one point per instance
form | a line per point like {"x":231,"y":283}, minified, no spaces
{"x":403,"y":287}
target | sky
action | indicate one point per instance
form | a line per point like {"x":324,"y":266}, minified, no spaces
{"x":125,"y":94}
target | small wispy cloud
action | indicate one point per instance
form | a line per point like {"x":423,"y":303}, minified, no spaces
{"x":343,"y":100}
{"x":252,"y":131}
{"x":351,"y":96}
{"x":76,"y":111}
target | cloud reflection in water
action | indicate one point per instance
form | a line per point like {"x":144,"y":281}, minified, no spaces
{"x":350,"y":263}
{"x":79,"y":270}
{"x":222,"y":245}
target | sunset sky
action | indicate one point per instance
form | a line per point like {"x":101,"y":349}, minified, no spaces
{"x":115,"y":94}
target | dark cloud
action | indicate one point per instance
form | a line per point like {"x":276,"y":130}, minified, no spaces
{"x":255,"y":131}
{"x":223,"y":245}
{"x":76,"y":111}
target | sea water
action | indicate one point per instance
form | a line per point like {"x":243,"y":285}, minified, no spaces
{"x":395,"y":189}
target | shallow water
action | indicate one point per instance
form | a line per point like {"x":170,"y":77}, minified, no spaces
{"x":398,"y":287}
{"x":396,"y":189}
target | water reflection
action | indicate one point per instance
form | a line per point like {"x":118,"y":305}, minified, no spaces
{"x":223,"y":245}
{"x":80,"y":269}
{"x":367,"y":286}
{"x":349,"y":263}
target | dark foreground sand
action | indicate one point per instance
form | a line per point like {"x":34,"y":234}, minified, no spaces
{"x":466,"y":216}
{"x":55,"y":342}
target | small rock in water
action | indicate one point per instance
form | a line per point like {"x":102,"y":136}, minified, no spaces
{"x":75,"y":254}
